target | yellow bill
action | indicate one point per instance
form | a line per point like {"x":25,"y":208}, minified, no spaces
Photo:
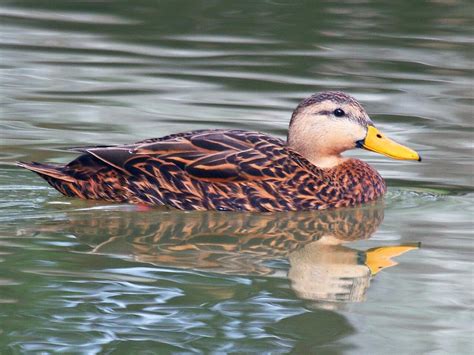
{"x":379,"y":143}
{"x":380,"y":258}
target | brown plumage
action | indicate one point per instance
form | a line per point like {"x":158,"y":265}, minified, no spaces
{"x":232,"y":170}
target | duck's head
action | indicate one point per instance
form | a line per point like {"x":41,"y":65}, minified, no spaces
{"x":329,"y":123}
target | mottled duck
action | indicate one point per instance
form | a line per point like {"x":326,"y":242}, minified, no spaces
{"x":237,"y":170}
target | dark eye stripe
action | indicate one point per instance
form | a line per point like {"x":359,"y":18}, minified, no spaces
{"x":330,"y":113}
{"x":323,"y":113}
{"x":360,"y":120}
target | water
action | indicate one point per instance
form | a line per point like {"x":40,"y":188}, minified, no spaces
{"x":80,"y":276}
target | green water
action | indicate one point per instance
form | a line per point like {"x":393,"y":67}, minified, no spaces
{"x":84,"y":277}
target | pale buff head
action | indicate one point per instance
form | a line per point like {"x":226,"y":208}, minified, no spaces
{"x":325,"y":125}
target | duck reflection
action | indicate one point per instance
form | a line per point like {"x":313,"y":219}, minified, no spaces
{"x":321,"y":268}
{"x":324,"y":270}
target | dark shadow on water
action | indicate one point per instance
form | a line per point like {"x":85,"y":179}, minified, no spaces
{"x":310,"y":335}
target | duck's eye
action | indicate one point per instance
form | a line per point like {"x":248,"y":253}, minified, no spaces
{"x":339,"y":112}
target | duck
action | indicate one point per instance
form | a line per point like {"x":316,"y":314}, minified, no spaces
{"x":239,"y":170}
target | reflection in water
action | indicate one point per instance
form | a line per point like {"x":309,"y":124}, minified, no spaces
{"x":324,"y":270}
{"x":320,"y":268}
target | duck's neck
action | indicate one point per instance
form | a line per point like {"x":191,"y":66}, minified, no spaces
{"x":321,"y":158}
{"x":324,"y":156}
{"x":328,"y":161}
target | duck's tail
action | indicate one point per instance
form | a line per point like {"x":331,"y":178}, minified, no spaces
{"x":55,"y":175}
{"x":82,"y":178}
{"x":47,"y":171}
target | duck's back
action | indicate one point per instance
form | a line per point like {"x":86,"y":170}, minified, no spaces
{"x":212,"y":170}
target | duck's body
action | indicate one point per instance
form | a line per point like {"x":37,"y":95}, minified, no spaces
{"x":230,"y":170}
{"x":213,"y":170}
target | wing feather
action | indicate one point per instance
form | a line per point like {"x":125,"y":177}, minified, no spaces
{"x":213,"y":155}
{"x":112,"y":156}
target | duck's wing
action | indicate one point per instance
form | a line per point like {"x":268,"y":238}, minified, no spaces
{"x":216,"y":155}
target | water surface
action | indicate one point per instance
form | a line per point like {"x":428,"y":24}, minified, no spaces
{"x":82,"y":276}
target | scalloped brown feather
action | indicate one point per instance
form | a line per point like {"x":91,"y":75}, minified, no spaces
{"x":227,"y":170}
